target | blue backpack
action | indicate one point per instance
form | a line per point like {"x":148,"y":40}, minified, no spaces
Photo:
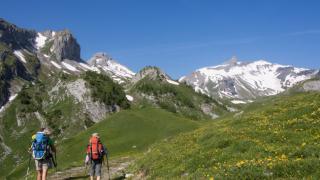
{"x":40,"y":146}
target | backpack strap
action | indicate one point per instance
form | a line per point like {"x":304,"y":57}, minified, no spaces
{"x":47,"y":148}
{"x":91,"y":152}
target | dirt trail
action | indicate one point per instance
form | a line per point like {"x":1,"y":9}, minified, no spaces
{"x":117,"y":171}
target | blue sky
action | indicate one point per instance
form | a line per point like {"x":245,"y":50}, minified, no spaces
{"x":180,"y":36}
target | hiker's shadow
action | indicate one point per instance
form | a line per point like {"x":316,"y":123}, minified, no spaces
{"x":119,"y":178}
{"x":78,"y":177}
{"x":85,"y":177}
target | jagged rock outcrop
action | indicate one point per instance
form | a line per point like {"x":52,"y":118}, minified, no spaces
{"x":65,"y":46}
{"x":16,"y":38}
{"x":312,"y":85}
{"x":95,"y":109}
{"x":106,"y":64}
{"x":151,"y":72}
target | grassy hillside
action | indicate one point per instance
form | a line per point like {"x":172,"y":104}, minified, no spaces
{"x":180,"y":99}
{"x":125,"y":133}
{"x":276,"y":139}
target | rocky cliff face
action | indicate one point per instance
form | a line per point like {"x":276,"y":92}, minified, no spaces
{"x":65,"y":46}
{"x":10,"y":68}
{"x":16,"y":38}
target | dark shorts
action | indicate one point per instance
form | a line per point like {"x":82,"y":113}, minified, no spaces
{"x":43,"y":164}
{"x":95,"y":168}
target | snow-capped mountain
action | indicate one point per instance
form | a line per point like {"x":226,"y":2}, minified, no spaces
{"x":107,"y":64}
{"x":43,"y":55}
{"x":60,"y":51}
{"x":243,"y":81}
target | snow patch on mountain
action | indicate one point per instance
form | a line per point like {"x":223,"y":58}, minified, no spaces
{"x":238,"y":102}
{"x":20,"y":56}
{"x":69,"y":67}
{"x":172,"y":82}
{"x":11,"y":98}
{"x":56,"y":64}
{"x":40,"y":41}
{"x":88,"y":67}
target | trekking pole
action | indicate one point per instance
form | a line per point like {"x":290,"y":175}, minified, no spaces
{"x":85,"y":169}
{"x":54,"y":161}
{"x":108,"y":166}
{"x":28,"y":166}
{"x":55,"y":157}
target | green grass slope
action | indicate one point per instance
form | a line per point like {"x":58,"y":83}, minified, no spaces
{"x":180,"y":99}
{"x":125,"y":133}
{"x":278,"y":140}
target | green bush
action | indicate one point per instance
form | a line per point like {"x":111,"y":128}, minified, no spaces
{"x":103,"y":89}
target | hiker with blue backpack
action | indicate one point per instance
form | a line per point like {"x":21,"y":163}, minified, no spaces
{"x":42,"y":152}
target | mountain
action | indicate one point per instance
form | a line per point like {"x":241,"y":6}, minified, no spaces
{"x":104,"y":63}
{"x":44,"y":82}
{"x":29,"y":56}
{"x":153,"y":87}
{"x":245,"y":81}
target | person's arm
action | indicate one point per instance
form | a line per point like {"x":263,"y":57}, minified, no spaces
{"x":105,"y":150}
{"x":32,"y":141}
{"x":53,"y":148}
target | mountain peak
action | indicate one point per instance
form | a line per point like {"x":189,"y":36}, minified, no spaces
{"x":100,"y":58}
{"x":261,"y":62}
{"x":232,"y":61}
{"x":151,"y":72}
{"x":65,"y":46}
{"x":106,"y":63}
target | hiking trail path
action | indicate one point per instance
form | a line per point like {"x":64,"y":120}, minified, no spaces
{"x":117,"y":171}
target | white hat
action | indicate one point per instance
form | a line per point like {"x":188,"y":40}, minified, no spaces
{"x":95,"y":134}
{"x":47,"y":131}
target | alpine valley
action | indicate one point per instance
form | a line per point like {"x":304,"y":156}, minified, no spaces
{"x":251,"y":120}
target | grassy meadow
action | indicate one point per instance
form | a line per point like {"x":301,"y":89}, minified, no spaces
{"x":274,"y":139}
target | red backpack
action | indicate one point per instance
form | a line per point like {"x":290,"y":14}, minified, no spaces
{"x":95,"y":148}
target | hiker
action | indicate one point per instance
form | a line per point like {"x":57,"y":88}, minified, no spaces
{"x":42,"y":151}
{"x":95,"y":153}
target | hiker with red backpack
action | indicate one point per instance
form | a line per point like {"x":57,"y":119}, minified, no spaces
{"x":42,"y":152}
{"x":95,"y":156}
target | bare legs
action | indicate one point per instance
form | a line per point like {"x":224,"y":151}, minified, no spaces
{"x":91,"y":177}
{"x":39,"y":174}
{"x":42,"y":174}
